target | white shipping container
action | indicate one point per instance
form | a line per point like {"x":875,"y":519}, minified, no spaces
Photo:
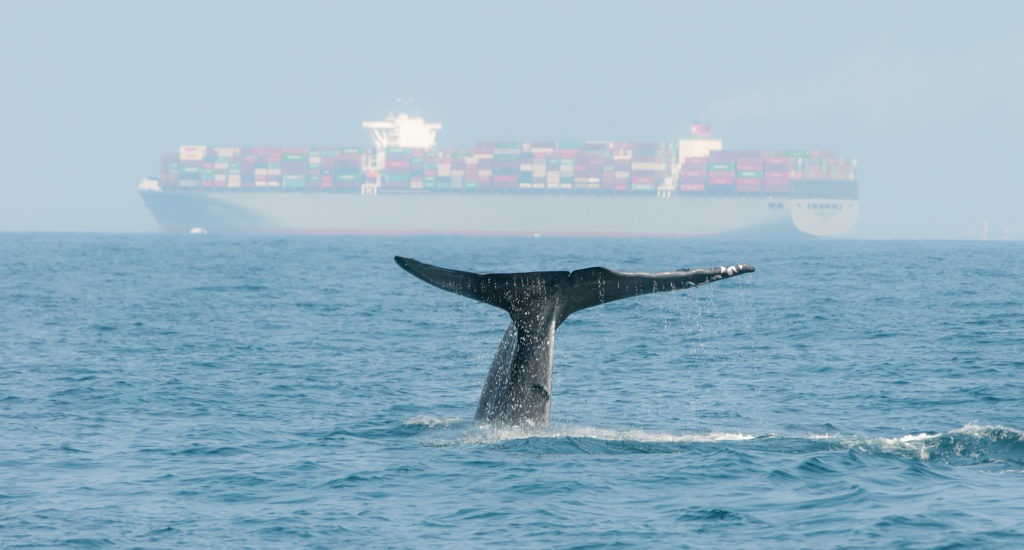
{"x":648,"y":166}
{"x":220,"y":177}
{"x":273,"y":171}
{"x":261,"y":172}
{"x":227,"y":152}
{"x":553,"y":178}
{"x":192,"y":152}
{"x":444,"y":169}
{"x":220,"y":166}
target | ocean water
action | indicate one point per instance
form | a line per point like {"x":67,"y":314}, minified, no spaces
{"x":202,"y":391}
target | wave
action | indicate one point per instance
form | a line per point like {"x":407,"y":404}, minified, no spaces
{"x":971,"y":444}
{"x":495,"y":434}
{"x":588,"y":439}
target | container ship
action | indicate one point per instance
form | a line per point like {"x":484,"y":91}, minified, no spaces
{"x":405,"y":184}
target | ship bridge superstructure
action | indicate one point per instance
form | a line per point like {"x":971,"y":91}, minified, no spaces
{"x":396,"y":131}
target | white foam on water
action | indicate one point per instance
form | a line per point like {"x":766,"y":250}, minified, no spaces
{"x":432,"y":422}
{"x":970,"y":441}
{"x":643,"y":436}
{"x":485,"y":434}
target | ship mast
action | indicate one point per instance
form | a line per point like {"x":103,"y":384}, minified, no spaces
{"x":403,"y":131}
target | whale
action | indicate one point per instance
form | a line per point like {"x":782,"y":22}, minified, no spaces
{"x":517,"y":390}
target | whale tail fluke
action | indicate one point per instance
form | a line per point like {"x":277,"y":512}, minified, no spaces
{"x":575,"y":290}
{"x":517,"y":390}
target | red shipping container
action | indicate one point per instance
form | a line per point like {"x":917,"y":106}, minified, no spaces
{"x":748,"y":184}
{"x":691,"y":187}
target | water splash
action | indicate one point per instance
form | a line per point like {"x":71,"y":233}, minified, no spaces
{"x":432,"y":422}
{"x":972,"y":443}
{"x":483,"y":434}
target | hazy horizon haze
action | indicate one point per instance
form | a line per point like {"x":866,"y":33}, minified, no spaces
{"x":927,"y":96}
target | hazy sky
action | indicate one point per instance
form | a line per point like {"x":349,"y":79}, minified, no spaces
{"x":928,"y":96}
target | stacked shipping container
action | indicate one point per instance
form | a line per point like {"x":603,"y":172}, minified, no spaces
{"x":504,"y":166}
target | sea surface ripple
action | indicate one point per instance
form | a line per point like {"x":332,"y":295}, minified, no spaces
{"x":213,"y":391}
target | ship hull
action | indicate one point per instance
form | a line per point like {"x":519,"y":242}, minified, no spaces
{"x":240,"y":211}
